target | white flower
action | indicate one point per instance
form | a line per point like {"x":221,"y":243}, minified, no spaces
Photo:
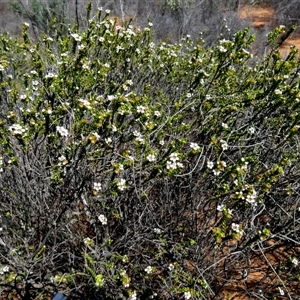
{"x":174,"y":157}
{"x":187,"y":295}
{"x":148,"y":270}
{"x":236,"y":227}
{"x":62,"y":130}
{"x":26,"y":24}
{"x":84,"y":103}
{"x":251,"y":198}
{"x":97,"y":186}
{"x":133,"y":296}
{"x":107,"y":11}
{"x":62,"y":160}
{"x":121,"y":184}
{"x":173,"y":163}
{"x":88,"y":241}
{"x":281,"y":291}
{"x":140,"y":139}
{"x":194,"y":146}
{"x":171,"y":267}
{"x":188,"y":95}
{"x":157,"y":230}
{"x":76,"y":37}
{"x":295,"y":261}
{"x":157,"y":113}
{"x":251,"y":130}
{"x":110,"y":97}
{"x":216,"y":172}
{"x":102,"y":219}
{"x":151,"y":157}
{"x":5,"y":269}
{"x":141,"y":109}
{"x":220,"y":207}
{"x":222,"y":164}
{"x":224,"y":125}
{"x":224,"y":144}
{"x":108,"y":140}
{"x":16,"y":129}
{"x":210,"y":164}
{"x":50,"y":75}
{"x":278,"y":92}
{"x":81,"y":47}
{"x":179,"y":165}
{"x":101,"y":39}
{"x":138,"y":136}
{"x":222,"y":49}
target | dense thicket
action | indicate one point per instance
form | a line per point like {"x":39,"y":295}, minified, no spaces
{"x":134,"y":169}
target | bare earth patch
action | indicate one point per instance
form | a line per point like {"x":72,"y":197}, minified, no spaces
{"x":261,"y":16}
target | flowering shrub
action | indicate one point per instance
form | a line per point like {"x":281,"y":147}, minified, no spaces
{"x":135,"y":170}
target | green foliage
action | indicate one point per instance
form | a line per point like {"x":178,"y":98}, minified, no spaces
{"x":127,"y":166}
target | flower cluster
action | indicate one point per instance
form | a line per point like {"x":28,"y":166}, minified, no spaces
{"x":237,"y":228}
{"x":243,"y":167}
{"x":149,"y":270}
{"x":194,"y":146}
{"x":76,"y":37}
{"x":138,"y":137}
{"x":124,"y":278}
{"x":17,"y":129}
{"x":121,"y":184}
{"x":151,"y":157}
{"x":224,"y":145}
{"x":251,"y":198}
{"x":173,"y":162}
{"x":221,"y":165}
{"x":83,"y":103}
{"x":4,"y":269}
{"x":62,"y":160}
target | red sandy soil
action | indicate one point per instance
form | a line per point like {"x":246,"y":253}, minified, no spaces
{"x":260,"y":16}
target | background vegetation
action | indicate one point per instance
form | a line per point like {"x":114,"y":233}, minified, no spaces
{"x":172,"y":19}
{"x":134,"y":168}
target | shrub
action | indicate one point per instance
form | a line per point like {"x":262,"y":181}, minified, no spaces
{"x":131,"y":169}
